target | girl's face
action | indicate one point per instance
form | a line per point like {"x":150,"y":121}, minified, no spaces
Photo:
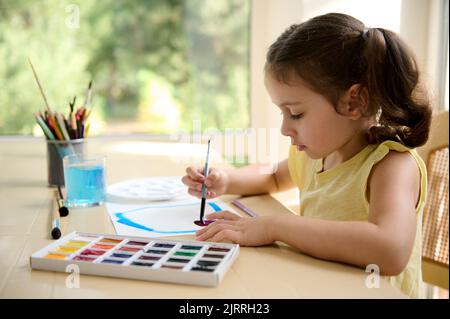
{"x":309,"y":119}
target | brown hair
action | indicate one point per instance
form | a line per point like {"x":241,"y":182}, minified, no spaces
{"x":332,"y":52}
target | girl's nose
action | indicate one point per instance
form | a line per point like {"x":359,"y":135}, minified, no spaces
{"x":286,"y":130}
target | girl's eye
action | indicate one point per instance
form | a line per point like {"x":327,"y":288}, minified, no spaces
{"x":296,"y":116}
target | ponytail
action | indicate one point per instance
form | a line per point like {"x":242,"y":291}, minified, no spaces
{"x":403,"y":112}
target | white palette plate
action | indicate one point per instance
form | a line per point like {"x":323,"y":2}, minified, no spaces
{"x":149,"y":189}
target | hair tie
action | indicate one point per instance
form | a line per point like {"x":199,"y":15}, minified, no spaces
{"x":364,"y":33}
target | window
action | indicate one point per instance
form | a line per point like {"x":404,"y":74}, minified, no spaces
{"x":156,"y":65}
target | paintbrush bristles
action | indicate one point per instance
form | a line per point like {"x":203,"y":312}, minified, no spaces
{"x":39,"y":84}
{"x":87,"y":100}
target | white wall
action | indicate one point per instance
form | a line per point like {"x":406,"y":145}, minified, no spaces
{"x":269,"y":19}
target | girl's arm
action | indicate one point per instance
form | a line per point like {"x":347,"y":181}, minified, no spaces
{"x":251,"y":180}
{"x":386,"y":239}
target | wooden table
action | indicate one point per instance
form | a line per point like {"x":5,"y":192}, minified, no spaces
{"x":275,"y":271}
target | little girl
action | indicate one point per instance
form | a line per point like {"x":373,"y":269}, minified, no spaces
{"x":351,"y":106}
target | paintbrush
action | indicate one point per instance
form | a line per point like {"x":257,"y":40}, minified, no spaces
{"x":71,"y":119}
{"x":39,"y":85}
{"x":203,"y":222}
{"x":87,"y":100}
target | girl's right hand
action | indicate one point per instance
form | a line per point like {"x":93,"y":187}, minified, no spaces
{"x":216,"y":182}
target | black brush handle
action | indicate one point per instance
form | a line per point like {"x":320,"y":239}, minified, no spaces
{"x":202,"y":209}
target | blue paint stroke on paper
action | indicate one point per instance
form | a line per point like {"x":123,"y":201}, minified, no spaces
{"x":215,"y":207}
{"x":126,"y":221}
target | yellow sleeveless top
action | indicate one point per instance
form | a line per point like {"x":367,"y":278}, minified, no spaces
{"x":340,"y":194}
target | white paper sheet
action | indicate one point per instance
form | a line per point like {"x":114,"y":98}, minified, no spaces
{"x":148,"y":189}
{"x":160,"y":218}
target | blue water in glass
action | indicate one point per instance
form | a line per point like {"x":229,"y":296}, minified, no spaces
{"x":85,"y":185}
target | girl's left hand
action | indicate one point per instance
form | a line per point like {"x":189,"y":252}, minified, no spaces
{"x":229,"y":227}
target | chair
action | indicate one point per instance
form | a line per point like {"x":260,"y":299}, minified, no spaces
{"x":435,"y":237}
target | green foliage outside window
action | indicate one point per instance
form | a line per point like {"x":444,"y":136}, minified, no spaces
{"x":156,"y":65}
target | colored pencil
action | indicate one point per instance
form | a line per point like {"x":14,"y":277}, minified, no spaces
{"x":86,"y":131}
{"x":62,"y":126}
{"x":244,"y":208}
{"x":44,"y":127}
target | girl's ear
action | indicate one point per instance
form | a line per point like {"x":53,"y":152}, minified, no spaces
{"x":354,"y":101}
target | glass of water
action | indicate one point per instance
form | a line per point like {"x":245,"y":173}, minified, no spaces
{"x":85,"y":179}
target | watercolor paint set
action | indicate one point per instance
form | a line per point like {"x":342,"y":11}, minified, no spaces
{"x":167,"y":260}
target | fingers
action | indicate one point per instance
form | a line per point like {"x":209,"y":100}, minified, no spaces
{"x":194,"y":180}
{"x":195,"y":173}
{"x":194,"y":193}
{"x":223,"y":215}
{"x":212,"y":231}
{"x":205,"y":229}
{"x":213,"y":176}
{"x":198,"y":194}
{"x":188,"y":181}
{"x":194,"y":186}
{"x":227,"y":235}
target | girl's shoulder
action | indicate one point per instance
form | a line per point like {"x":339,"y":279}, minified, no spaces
{"x":390,"y":155}
{"x":398,"y":167}
{"x":395,"y":163}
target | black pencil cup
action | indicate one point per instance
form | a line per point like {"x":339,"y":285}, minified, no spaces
{"x":56,"y":150}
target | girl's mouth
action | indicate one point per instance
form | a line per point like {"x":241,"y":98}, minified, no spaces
{"x":301,"y":147}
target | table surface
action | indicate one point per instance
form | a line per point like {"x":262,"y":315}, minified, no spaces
{"x":275,"y":271}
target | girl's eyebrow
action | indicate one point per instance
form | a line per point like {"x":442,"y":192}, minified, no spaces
{"x":289,"y":103}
